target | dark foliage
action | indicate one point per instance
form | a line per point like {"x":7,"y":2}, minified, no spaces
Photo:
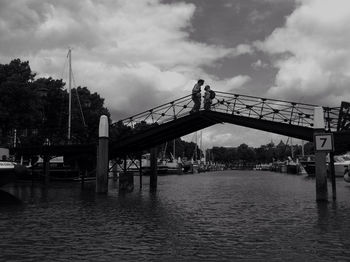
{"x":36,"y":110}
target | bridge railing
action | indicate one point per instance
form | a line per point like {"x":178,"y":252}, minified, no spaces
{"x":293,"y":113}
{"x":163,"y":113}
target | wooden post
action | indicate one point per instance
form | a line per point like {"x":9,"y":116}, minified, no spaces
{"x":179,"y":166}
{"x":153,"y":175}
{"x":140,"y":159}
{"x":83,"y":175}
{"x":102,"y":157}
{"x":332,"y":174}
{"x":320,"y":157}
{"x":46,"y":166}
{"x":123,"y":176}
{"x":126,"y":181}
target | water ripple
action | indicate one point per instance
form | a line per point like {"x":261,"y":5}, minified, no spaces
{"x":224,"y":216}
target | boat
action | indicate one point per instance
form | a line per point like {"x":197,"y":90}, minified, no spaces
{"x":169,"y":167}
{"x":9,"y":170}
{"x":308,"y":163}
{"x":346,"y":175}
{"x":263,"y":167}
{"x":293,"y":167}
{"x":341,"y":162}
{"x":187,"y":165}
{"x":59,"y":170}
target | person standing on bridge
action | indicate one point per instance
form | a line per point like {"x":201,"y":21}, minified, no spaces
{"x":207,"y":97}
{"x":196,"y":96}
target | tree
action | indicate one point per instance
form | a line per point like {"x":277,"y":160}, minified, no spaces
{"x":309,"y":148}
{"x":51,"y":98}
{"x":282,"y":150}
{"x":246,"y":153}
{"x":87,"y":108}
{"x":18,"y":101}
{"x":38,"y":109}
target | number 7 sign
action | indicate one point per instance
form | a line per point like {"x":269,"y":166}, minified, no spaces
{"x":324,"y":142}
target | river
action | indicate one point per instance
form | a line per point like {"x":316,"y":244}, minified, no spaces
{"x":215,"y":216}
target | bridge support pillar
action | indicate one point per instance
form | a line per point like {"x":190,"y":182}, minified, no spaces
{"x":320,"y":158}
{"x":102,"y":157}
{"x":153,"y":175}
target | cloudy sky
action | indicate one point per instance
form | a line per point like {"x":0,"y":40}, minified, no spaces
{"x":139,"y":54}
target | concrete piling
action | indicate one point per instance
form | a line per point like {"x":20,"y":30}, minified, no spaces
{"x":102,"y":156}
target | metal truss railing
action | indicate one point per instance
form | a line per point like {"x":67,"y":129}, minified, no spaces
{"x":292,"y":113}
{"x":299,"y":114}
{"x":163,"y":113}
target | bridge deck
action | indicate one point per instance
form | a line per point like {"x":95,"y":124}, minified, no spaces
{"x":173,"y":120}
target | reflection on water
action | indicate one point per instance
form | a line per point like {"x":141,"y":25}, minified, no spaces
{"x":225,"y":216}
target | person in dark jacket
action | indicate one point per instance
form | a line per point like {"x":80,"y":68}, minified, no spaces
{"x":196,"y":96}
{"x":207,"y":98}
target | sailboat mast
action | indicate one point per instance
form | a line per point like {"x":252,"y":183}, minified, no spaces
{"x":70,"y":94}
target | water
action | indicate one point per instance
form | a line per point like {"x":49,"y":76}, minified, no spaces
{"x":222,"y":216}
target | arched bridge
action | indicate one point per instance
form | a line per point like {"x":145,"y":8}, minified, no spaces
{"x":173,"y":120}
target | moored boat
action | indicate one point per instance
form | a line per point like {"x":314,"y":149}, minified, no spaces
{"x":341,"y":162}
{"x":169,"y":167}
{"x":59,"y":170}
{"x":308,"y":163}
{"x":9,"y":171}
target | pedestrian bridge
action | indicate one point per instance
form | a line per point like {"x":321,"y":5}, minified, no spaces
{"x":172,"y":120}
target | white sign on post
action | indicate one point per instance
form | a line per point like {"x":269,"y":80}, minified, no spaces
{"x":324,"y":142}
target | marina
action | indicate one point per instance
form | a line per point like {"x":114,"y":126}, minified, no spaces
{"x":188,"y":131}
{"x":215,"y":216}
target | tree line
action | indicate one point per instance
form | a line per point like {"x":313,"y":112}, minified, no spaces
{"x":264,"y":154}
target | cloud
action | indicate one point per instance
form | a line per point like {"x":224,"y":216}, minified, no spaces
{"x":228,"y":135}
{"x":231,"y":84}
{"x":135,"y":54}
{"x":259,"y":64}
{"x":311,"y":53}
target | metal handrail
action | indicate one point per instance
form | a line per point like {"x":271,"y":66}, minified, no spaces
{"x":293,"y":113}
